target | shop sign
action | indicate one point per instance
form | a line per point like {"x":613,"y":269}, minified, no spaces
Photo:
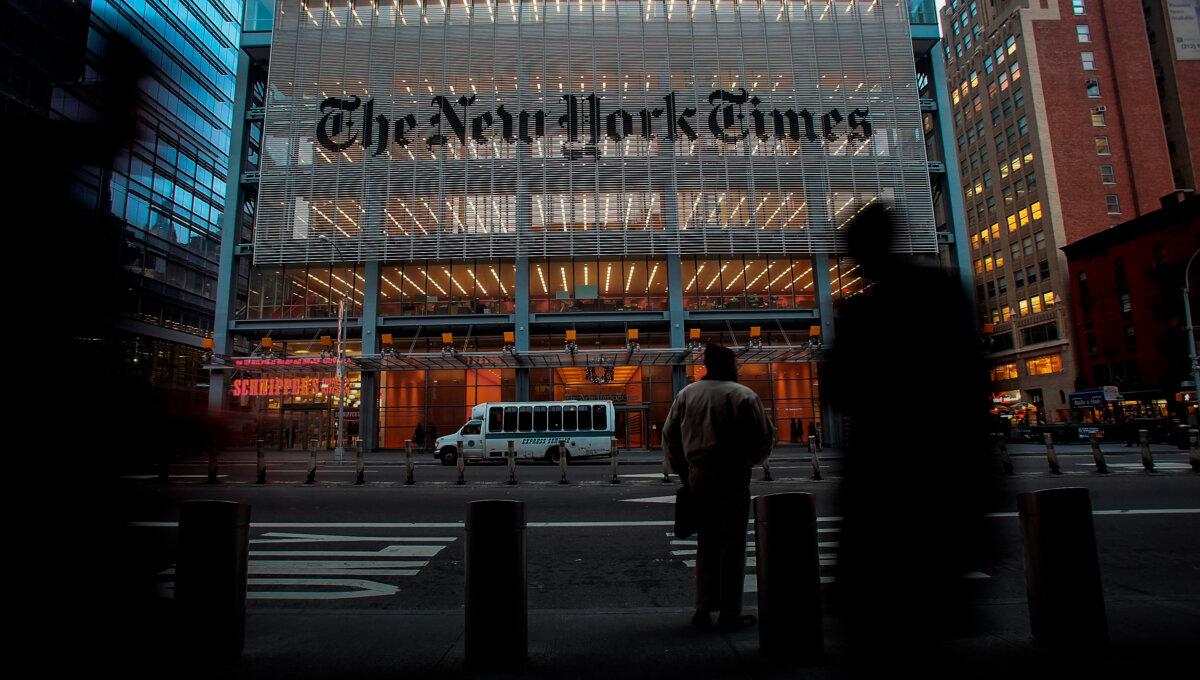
{"x":277,"y":387}
{"x":1088,"y":398}
{"x":1111,"y":393}
{"x":1006,"y":397}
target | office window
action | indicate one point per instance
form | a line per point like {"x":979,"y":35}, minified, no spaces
{"x":978,"y":266}
{"x":1043,"y":332}
{"x":1023,"y":215}
{"x":1022,"y":126}
{"x":1035,"y":210}
{"x":1015,"y":247}
{"x":1012,"y":219}
{"x":1027,"y":153}
{"x":1083,"y":34}
{"x":1018,"y":277}
{"x":1003,"y":80}
{"x":1004,"y":372}
{"x":1098,"y":116}
{"x":995,"y":117}
{"x":974,"y":241}
{"x":991,"y":289}
{"x":1031,"y":181}
{"x":1051,"y":363}
{"x":1023,"y":306}
{"x":1010,"y":44}
{"x":1077,"y":7}
{"x":1093,"y":87}
{"x":1015,"y":71}
{"x":1006,"y":106}
{"x":1027,"y":247}
{"x":1030,"y":272}
{"x":974,"y":78}
{"x":1044,"y":269}
{"x":1019,"y":97}
{"x":987,"y":179}
{"x":1039,"y":240}
{"x":1107,"y":175}
{"x":1113,"y":204}
{"x":1089,"y":61}
{"x":1102,"y":148}
{"x":987,"y":65}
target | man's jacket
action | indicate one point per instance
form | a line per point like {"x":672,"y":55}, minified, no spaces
{"x":716,"y":431}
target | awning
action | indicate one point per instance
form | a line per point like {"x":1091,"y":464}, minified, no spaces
{"x":419,"y":361}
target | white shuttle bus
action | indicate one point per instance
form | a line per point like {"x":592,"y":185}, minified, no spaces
{"x":535,"y":428}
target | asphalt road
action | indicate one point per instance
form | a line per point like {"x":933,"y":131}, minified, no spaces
{"x":591,"y":544}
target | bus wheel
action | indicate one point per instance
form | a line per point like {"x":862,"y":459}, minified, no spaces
{"x":449,"y":455}
{"x":552,"y":455}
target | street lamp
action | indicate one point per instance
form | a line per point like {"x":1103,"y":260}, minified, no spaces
{"x":1191,"y":336}
{"x":339,"y":452}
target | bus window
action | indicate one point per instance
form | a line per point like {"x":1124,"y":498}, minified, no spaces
{"x":510,"y":418}
{"x":539,"y":418}
{"x":495,"y":419}
{"x":555,"y":418}
{"x":525,"y":422}
{"x":599,"y":417}
{"x":569,"y":422}
{"x":585,"y":418}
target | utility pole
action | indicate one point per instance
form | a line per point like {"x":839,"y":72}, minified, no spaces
{"x":340,"y":452}
{"x":1191,"y":333}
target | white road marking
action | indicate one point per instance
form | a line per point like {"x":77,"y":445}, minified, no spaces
{"x":651,"y":499}
{"x":278,"y":537}
{"x":976,"y":575}
{"x":361,"y":588}
{"x":171,"y":476}
{"x":389,"y":551}
{"x":643,"y":475}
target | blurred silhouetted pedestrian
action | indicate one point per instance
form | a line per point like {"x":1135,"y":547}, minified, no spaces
{"x":419,"y":437}
{"x":715,"y":433}
{"x":913,"y":519}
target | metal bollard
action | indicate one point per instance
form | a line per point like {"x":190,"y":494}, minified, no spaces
{"x":562,"y":460}
{"x":766,"y":466}
{"x":359,"y":469}
{"x":1051,"y":456}
{"x":666,"y":467}
{"x":512,"y":462}
{"x":262,"y":462}
{"x":816,"y":467}
{"x":1097,"y":454}
{"x":612,"y":447}
{"x":1062,"y":572}
{"x":312,"y":467}
{"x":789,"y":576}
{"x":1147,"y":457}
{"x":1194,"y":452}
{"x":812,"y":443}
{"x":212,"y":467}
{"x":462,"y":464}
{"x":497,"y":606}
{"x":409,"y":477}
{"x":210,"y":576}
{"x":819,"y":435}
{"x":1005,"y":459}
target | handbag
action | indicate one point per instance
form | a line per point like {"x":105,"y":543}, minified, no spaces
{"x":686,"y":512}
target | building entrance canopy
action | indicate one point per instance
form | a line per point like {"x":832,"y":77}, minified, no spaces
{"x":420,"y":361}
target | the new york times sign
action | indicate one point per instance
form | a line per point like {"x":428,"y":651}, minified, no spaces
{"x":734,"y":116}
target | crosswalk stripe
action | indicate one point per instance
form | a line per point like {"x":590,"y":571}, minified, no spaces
{"x":396,"y":550}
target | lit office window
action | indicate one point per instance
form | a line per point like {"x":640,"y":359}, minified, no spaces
{"x":1043,"y":365}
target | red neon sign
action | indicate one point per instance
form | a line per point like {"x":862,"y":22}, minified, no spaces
{"x":277,"y":387}
{"x":291,"y":363}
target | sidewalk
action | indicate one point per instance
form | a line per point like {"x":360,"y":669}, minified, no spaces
{"x":1150,"y":639}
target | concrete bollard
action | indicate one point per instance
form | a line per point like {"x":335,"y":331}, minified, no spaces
{"x":789,"y":577}
{"x":262,"y":462}
{"x":462,"y":464}
{"x":497,"y":607}
{"x":1005,"y":459}
{"x":409,"y":476}
{"x":766,"y":466}
{"x":812,"y":443}
{"x":210,"y":577}
{"x":1147,"y":457}
{"x":511,"y":454}
{"x":212,"y":467}
{"x":1097,"y":454}
{"x":1194,"y":452}
{"x":1051,"y":456}
{"x":816,"y":467}
{"x":359,"y":468}
{"x":562,"y":460}
{"x":612,"y":447}
{"x":820,"y":434}
{"x":312,"y":467}
{"x":1062,"y":571}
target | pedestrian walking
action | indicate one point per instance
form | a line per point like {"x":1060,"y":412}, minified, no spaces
{"x":716,"y":431}
{"x":812,"y":432}
{"x":432,"y":437}
{"x":795,"y":430}
{"x":419,"y":437}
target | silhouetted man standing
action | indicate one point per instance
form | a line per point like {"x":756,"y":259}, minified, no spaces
{"x":715,"y":433}
{"x":913,"y":510}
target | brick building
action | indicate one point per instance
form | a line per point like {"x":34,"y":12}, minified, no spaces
{"x":1127,"y":306}
{"x":1070,"y":116}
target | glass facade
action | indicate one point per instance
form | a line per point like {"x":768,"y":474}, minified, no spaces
{"x":168,"y":186}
